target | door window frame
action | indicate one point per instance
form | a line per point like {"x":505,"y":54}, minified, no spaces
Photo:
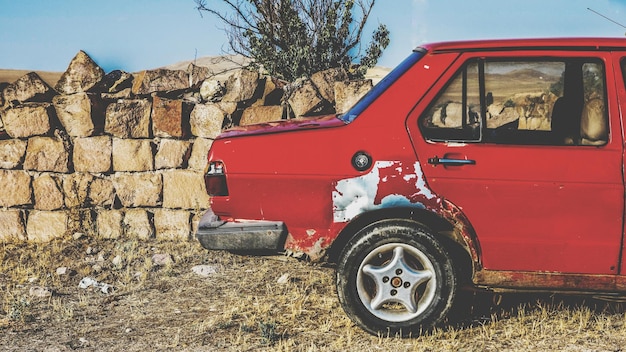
{"x":521,"y":136}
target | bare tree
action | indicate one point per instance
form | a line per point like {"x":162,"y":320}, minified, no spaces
{"x":294,"y":38}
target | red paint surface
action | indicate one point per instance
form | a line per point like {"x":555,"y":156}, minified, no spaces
{"x":530,"y":209}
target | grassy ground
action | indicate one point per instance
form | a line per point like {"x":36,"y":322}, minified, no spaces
{"x":249,"y":303}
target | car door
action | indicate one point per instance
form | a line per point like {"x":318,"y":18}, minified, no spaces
{"x":529,"y":146}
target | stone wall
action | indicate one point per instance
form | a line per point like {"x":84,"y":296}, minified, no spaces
{"x":123,"y":154}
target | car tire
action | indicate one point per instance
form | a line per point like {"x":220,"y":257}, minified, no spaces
{"x":394,"y":277}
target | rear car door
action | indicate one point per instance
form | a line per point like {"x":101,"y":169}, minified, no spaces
{"x":528,"y":145}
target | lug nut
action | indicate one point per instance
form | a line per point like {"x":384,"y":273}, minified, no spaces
{"x":398,"y":271}
{"x":385,"y":279}
{"x":407,"y":284}
{"x":394,"y":292}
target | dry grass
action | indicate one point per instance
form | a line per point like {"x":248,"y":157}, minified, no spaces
{"x":244,"y":307}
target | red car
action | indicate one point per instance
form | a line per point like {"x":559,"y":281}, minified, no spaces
{"x":489,"y":164}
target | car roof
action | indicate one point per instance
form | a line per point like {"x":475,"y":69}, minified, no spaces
{"x":600,"y":44}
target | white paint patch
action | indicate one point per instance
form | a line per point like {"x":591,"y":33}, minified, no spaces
{"x":354,"y":196}
{"x":420,"y":184}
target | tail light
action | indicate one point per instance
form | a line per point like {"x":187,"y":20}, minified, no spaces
{"x":215,"y":179}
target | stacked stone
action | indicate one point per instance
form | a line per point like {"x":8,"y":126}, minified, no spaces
{"x":114,"y":159}
{"x":124,"y":155}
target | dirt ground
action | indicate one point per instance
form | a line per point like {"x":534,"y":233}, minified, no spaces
{"x":156,"y":302}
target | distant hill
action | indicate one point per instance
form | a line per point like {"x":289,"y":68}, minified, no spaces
{"x":220,"y":66}
{"x":223,"y":62}
{"x":10,"y":76}
{"x":530,"y":74}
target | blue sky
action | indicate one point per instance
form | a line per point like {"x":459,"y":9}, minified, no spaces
{"x":133,"y":35}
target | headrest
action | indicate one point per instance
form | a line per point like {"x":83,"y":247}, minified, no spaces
{"x":593,"y":124}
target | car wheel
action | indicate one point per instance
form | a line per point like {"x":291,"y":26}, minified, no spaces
{"x":394,"y":277}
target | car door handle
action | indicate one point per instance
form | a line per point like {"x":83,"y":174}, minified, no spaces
{"x":450,"y":161}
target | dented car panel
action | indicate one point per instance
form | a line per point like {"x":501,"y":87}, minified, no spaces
{"x":390,"y":184}
{"x":531,"y":207}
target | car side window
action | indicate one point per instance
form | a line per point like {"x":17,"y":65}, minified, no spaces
{"x":549,"y":102}
{"x":456,"y":113}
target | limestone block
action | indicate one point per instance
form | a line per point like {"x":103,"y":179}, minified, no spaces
{"x":212,"y":90}
{"x":167,"y":118}
{"x":261,"y":114}
{"x":43,"y":226}
{"x":101,"y":192}
{"x":304,"y":99}
{"x":272,"y":92}
{"x":132,"y":155}
{"x":27,"y":120}
{"x":241,"y":86}
{"x":47,"y":154}
{"x":28,"y":88}
{"x":347,"y":93}
{"x":92,"y":154}
{"x":81,"y":220}
{"x":184,"y":189}
{"x":16,"y":188}
{"x":138,"y":189}
{"x":227,"y":106}
{"x":48,"y":192}
{"x":199,"y":153}
{"x":11,"y":153}
{"x":109,"y":223}
{"x":172,"y":224}
{"x":138,"y":223}
{"x":172,"y":154}
{"x":128,"y":119}
{"x":78,"y":113}
{"x":81,"y":75}
{"x":12,"y":225}
{"x":122,"y":94}
{"x":76,"y":189}
{"x":114,"y":82}
{"x":197,"y":74}
{"x":206,"y":120}
{"x":85,"y":190}
{"x":325,"y":82}
{"x":160,"y":80}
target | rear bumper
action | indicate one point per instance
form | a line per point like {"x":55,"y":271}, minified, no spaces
{"x":258,"y":235}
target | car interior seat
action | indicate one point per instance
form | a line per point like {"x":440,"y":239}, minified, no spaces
{"x":567,"y":110}
{"x":593,"y":124}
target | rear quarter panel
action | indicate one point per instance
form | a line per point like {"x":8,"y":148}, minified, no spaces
{"x":291,"y":176}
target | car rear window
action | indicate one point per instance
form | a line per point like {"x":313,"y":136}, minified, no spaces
{"x":382,"y":86}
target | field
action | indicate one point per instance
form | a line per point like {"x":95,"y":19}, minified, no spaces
{"x":271,"y":303}
{"x":147,"y":297}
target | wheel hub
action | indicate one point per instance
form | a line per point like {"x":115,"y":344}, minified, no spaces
{"x":396,"y":282}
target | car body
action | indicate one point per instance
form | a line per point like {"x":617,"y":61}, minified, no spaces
{"x":495,"y":164}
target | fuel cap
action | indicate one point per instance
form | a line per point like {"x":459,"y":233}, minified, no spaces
{"x":361,"y":161}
